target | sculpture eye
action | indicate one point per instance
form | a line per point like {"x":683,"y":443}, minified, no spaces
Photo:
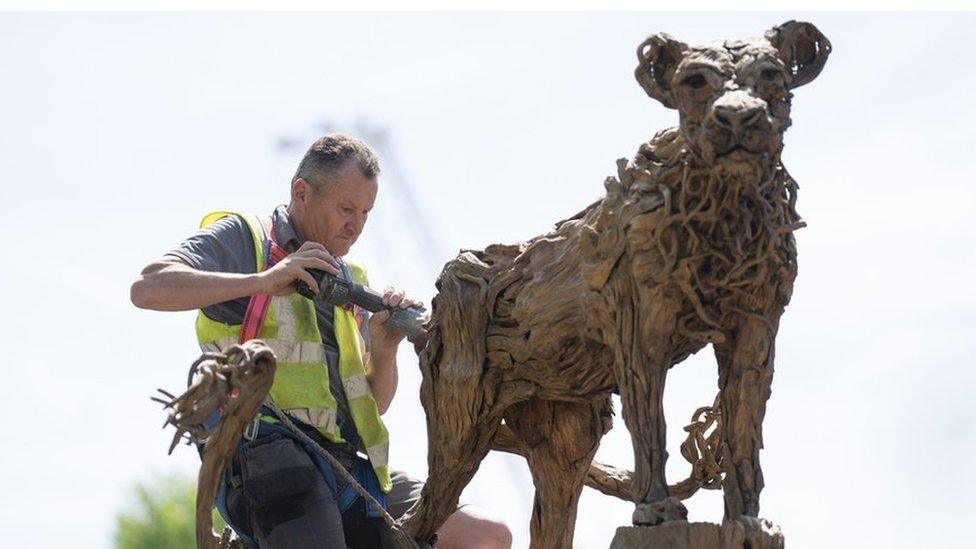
{"x":771,"y":83}
{"x":770,"y":75}
{"x":695,"y":81}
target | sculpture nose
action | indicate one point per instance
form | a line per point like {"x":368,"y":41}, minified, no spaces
{"x":735,"y":118}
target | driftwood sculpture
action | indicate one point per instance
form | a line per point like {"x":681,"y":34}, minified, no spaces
{"x":235,"y":382}
{"x":692,"y":244}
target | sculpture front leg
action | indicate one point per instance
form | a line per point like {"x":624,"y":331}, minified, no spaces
{"x":642,"y":351}
{"x":745,"y":374}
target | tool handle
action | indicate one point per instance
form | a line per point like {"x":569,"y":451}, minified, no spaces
{"x":303,"y":288}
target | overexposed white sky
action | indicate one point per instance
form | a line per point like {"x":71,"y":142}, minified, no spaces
{"x":118,"y":132}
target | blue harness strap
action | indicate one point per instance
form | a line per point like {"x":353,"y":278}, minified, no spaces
{"x":363,"y":474}
{"x":366,"y":478}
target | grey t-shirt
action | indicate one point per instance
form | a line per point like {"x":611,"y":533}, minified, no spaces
{"x":226,"y":246}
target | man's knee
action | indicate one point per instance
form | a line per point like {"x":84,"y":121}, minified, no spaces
{"x":473,"y":528}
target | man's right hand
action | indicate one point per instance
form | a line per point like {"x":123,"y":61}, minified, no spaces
{"x":171,"y":285}
{"x":280,"y":279}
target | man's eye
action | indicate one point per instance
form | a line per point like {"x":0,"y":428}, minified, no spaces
{"x":770,"y":74}
{"x":695,"y":81}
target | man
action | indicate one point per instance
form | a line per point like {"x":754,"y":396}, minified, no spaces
{"x":336,"y":374}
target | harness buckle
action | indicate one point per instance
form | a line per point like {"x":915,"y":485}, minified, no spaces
{"x":252,"y":428}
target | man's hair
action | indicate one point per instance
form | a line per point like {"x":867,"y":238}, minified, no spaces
{"x":329,"y":154}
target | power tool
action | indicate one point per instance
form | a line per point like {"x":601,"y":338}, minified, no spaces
{"x":339,"y":292}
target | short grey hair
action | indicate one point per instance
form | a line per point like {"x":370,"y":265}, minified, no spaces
{"x":329,"y":154}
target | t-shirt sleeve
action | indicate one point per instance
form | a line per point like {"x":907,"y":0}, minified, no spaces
{"x":225,"y":246}
{"x":364,"y":327}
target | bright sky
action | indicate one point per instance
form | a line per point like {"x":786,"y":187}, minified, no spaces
{"x":119,"y":131}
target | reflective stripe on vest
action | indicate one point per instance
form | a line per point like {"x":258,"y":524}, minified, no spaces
{"x":301,"y":384}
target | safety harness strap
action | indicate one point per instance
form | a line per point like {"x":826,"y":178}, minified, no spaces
{"x":257,"y":307}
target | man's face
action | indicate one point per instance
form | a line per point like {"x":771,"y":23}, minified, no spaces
{"x":334,"y":216}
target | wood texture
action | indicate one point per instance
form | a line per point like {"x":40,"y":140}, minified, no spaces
{"x":691,"y":245}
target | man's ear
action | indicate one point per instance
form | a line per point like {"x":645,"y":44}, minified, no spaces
{"x":300,"y":190}
{"x":657,"y":59}
{"x":802,"y":47}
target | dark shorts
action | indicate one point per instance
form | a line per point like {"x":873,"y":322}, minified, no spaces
{"x":405,"y":492}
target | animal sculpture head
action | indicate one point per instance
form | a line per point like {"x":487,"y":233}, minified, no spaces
{"x":733,"y":97}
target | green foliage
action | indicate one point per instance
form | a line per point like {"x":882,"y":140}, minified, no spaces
{"x":161,"y":515}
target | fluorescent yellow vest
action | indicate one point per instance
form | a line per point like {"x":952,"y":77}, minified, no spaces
{"x":301,"y":384}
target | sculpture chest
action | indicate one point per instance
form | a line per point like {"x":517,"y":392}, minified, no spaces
{"x":718,"y":239}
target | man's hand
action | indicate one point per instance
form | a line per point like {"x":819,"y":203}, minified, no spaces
{"x":280,"y":279}
{"x":383,"y":339}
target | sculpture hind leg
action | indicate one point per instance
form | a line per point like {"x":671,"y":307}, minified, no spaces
{"x":745,"y":374}
{"x":459,"y":437}
{"x":463,"y":399}
{"x":560,"y":440}
{"x":459,"y":430}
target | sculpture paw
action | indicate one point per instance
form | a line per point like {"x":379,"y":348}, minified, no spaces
{"x":753,"y":525}
{"x":666,"y":510}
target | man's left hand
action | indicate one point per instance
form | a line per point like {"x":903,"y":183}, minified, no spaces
{"x":384,"y":339}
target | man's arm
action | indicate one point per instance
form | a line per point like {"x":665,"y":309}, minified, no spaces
{"x":172,"y":285}
{"x":382,"y":372}
{"x":383,"y":342}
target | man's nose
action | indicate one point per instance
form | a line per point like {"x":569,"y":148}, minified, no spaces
{"x":356,"y":225}
{"x":737,"y":110}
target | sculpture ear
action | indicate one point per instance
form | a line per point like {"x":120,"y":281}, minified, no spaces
{"x":657,"y":59}
{"x":802,"y":47}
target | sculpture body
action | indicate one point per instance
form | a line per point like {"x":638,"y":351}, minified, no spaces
{"x":692,"y":244}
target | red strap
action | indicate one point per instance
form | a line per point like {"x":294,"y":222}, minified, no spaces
{"x":277,"y":253}
{"x":257,"y":307}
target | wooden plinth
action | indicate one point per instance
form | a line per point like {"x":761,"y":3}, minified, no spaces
{"x":698,"y":535}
